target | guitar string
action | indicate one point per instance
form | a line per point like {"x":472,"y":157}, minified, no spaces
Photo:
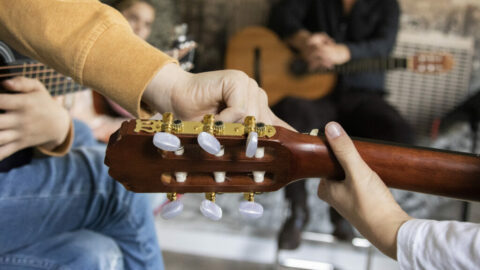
{"x":67,"y":84}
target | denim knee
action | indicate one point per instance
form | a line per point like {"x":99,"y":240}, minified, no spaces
{"x":69,"y":251}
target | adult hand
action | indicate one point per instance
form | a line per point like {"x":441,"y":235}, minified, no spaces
{"x":229,"y":95}
{"x":31,"y":117}
{"x":310,"y":49}
{"x":362,"y":198}
{"x":329,"y":55}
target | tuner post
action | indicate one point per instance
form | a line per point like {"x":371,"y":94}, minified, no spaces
{"x":208,"y":123}
{"x":177,"y":126}
{"x":218,"y":127}
{"x":249,"y":124}
{"x":172,"y":196}
{"x":249,"y":196}
{"x":211,"y":196}
{"x":167,"y":122}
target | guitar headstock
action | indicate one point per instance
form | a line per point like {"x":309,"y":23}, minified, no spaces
{"x":141,"y":166}
{"x":430,"y":63}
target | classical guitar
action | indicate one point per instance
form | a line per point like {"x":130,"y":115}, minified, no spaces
{"x":55,"y":83}
{"x":263,"y":56}
{"x":171,"y":156}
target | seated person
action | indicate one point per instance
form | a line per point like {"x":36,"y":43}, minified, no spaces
{"x":327,"y":33}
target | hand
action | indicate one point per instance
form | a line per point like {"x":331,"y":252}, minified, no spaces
{"x":31,"y":118}
{"x":362,"y":198}
{"x":328,"y":56}
{"x":229,"y":95}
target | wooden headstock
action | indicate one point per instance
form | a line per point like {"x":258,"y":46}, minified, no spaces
{"x":141,"y":167}
{"x":430,"y":63}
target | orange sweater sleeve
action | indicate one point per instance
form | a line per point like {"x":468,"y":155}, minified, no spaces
{"x":86,"y":40}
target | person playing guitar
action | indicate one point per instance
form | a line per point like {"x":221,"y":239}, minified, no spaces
{"x":326,"y":33}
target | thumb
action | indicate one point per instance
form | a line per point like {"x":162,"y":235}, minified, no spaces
{"x":345,"y":150}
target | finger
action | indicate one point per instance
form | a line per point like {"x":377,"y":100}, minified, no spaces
{"x":8,"y":149}
{"x":235,"y":88}
{"x":8,"y":120}
{"x":10,"y":102}
{"x":22,"y":84}
{"x":231,"y":115}
{"x":8,"y":136}
{"x":345,"y":150}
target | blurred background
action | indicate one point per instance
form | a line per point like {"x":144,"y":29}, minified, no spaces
{"x":440,"y":108}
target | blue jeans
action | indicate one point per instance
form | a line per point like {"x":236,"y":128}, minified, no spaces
{"x":67,"y":213}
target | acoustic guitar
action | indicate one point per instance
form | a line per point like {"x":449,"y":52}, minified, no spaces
{"x":280,"y":157}
{"x":55,"y":83}
{"x":263,"y":56}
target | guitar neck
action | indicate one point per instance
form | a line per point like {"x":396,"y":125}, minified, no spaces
{"x":372,"y":65}
{"x":414,"y":169}
{"x":55,"y":82}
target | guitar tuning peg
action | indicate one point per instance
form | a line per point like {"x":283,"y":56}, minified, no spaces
{"x":173,"y":208}
{"x":209,"y":143}
{"x":209,"y":208}
{"x":250,"y":209}
{"x":252,"y":144}
{"x":166,"y":141}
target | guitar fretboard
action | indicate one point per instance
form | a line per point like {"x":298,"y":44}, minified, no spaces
{"x":55,"y":82}
{"x":369,"y":65}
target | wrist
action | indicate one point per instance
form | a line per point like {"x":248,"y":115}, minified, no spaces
{"x":381,"y":229}
{"x":61,"y":139}
{"x":158,"y":93}
{"x":345,"y":53}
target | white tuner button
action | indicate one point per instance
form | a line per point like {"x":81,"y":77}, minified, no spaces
{"x":250,"y":210}
{"x":209,"y":143}
{"x":211,"y":210}
{"x":252,"y":144}
{"x":172,"y":209}
{"x":166,"y":141}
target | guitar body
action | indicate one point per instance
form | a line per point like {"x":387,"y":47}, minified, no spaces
{"x":273,"y":67}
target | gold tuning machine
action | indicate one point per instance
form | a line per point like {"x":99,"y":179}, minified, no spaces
{"x":167,"y":122}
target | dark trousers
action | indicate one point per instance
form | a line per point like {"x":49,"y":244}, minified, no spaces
{"x":361,"y":113}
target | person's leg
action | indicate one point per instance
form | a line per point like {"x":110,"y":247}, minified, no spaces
{"x":303,"y":115}
{"x":72,"y":250}
{"x":51,"y":196}
{"x":368,"y":115}
{"x":83,"y":135}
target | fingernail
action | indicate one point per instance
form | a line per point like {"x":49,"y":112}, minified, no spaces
{"x":333,"y":130}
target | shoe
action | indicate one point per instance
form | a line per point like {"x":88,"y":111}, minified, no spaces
{"x":343,"y":230}
{"x":290,"y":235}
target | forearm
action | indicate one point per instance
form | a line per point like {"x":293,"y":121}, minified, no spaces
{"x":86,"y":40}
